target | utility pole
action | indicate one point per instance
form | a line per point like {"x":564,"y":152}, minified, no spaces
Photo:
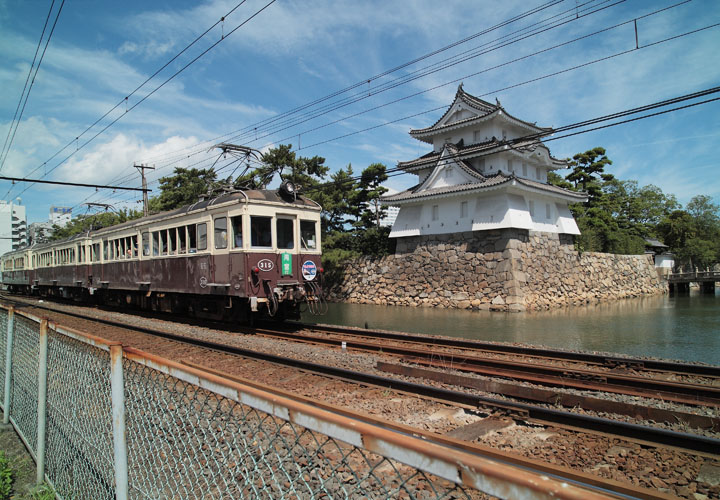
{"x":141,"y":169}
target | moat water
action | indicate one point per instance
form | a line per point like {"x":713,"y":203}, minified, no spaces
{"x":676,"y":327}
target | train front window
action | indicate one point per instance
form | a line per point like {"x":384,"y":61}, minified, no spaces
{"x":285,"y":233}
{"x":237,"y":231}
{"x":221,"y":232}
{"x":202,"y":236}
{"x":307,"y":234}
{"x":260,"y":231}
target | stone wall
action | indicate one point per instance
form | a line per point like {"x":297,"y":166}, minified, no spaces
{"x":502,"y":270}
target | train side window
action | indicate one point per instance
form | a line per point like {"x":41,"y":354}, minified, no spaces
{"x":221,"y":232}
{"x":202,"y":236}
{"x":146,"y":244}
{"x":285,"y":233}
{"x":172,"y":240}
{"x":163,"y":242}
{"x":308,"y":234}
{"x":182,"y":239}
{"x":192,"y":238}
{"x":133,"y":243}
{"x":156,"y":243}
{"x":260,"y":231}
{"x":96,"y":252}
{"x":237,"y":231}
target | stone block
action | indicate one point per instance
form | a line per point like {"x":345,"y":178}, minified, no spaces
{"x":498,"y":301}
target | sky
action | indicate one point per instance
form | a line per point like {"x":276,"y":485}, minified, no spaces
{"x":551,"y":62}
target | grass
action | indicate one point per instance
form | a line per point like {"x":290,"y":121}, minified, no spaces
{"x":7,"y":477}
{"x":7,"y":480}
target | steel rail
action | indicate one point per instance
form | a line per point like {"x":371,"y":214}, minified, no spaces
{"x":590,"y":358}
{"x":692,"y":394}
{"x":523,"y":411}
{"x":554,"y":397}
{"x":560,"y":471}
{"x":496,"y":476}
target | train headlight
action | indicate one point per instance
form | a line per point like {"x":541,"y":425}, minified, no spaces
{"x":288,"y":189}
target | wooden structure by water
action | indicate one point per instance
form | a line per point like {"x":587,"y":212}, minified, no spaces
{"x":680,"y":282}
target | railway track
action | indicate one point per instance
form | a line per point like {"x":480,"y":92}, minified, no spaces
{"x":646,"y":437}
{"x":521,"y":411}
{"x":415,"y":351}
{"x":477,"y":346}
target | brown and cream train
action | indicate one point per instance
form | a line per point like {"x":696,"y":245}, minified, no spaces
{"x":237,"y":256}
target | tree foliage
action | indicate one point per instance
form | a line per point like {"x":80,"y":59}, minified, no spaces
{"x":182,"y":188}
{"x":619,"y":215}
{"x":85,"y":223}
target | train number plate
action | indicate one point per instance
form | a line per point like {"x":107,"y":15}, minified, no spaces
{"x":265,"y":265}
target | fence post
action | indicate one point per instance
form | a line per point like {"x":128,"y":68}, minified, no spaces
{"x":42,"y":401}
{"x":8,"y":363}
{"x":117,"y":388}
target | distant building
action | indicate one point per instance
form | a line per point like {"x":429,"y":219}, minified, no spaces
{"x":482,"y":174}
{"x":13,"y":226}
{"x":664,"y":259}
{"x":60,"y":215}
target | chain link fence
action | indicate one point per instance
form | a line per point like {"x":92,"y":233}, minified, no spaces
{"x":203,"y":445}
{"x":79,"y":424}
{"x":24,"y":379}
{"x":107,"y":422}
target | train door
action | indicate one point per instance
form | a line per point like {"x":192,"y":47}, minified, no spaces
{"x":237,"y":267}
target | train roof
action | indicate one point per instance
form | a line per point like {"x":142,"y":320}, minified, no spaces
{"x":224,"y":199}
{"x":262,"y":195}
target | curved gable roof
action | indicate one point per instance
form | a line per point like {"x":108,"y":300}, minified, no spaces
{"x":485,"y":111}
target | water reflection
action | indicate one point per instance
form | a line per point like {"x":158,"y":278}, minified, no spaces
{"x":678,"y":327}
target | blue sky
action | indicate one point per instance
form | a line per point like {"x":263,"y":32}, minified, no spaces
{"x":293,"y":53}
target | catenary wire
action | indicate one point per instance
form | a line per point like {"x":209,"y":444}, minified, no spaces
{"x":183,"y":68}
{"x":32,"y":82}
{"x":27,"y":79}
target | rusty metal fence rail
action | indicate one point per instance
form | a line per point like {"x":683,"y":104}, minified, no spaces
{"x":107,"y":422}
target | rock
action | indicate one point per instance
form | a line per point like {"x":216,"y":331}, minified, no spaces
{"x":498,"y":301}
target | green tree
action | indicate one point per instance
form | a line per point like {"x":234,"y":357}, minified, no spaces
{"x":183,"y":188}
{"x":338,"y":200}
{"x":693,"y":234}
{"x":304,"y":172}
{"x":85,"y":223}
{"x":589,"y":171}
{"x":371,"y":190}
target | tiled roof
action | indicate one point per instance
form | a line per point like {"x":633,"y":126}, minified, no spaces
{"x":488,"y":182}
{"x":480,"y":147}
{"x":412,"y":194}
{"x":484,"y":107}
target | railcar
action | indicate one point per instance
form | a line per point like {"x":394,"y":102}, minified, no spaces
{"x":240,"y":255}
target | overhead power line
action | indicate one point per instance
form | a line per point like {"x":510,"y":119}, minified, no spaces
{"x":505,"y":88}
{"x":60,"y":183}
{"x":165,"y":82}
{"x":15,"y":123}
{"x":261,"y":126}
{"x":530,"y":138}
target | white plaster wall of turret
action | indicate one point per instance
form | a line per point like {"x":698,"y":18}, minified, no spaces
{"x":479,"y":133}
{"x":507,"y":208}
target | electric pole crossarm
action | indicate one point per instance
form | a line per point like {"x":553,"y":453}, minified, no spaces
{"x":141,"y":169}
